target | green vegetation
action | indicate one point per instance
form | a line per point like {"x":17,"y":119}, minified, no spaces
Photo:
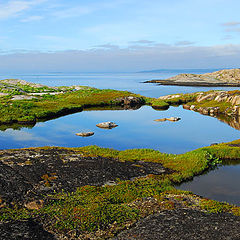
{"x":105,"y":210}
{"x":159,"y":104}
{"x":102,"y":211}
{"x":50,"y":106}
{"x":52,"y":102}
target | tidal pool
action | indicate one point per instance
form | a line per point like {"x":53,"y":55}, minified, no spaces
{"x":137,"y":129}
{"x":221,"y":184}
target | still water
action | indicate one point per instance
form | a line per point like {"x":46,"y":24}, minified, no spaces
{"x":221,"y":184}
{"x":137,"y":128}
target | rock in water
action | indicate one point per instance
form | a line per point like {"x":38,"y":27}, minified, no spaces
{"x":85,"y":134}
{"x":108,"y":125}
{"x":173,"y":119}
{"x":161,"y":120}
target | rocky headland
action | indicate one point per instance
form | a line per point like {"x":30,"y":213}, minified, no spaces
{"x":222,"y":78}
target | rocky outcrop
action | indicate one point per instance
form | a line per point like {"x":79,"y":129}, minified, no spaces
{"x":218,"y":102}
{"x":226,"y":77}
{"x":29,"y":175}
{"x":130,"y":101}
{"x":183,"y":224}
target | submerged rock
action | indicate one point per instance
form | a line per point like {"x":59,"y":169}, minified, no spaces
{"x":108,"y":125}
{"x":85,"y":134}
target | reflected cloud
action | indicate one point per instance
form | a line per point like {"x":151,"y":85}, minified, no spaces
{"x":23,"y":136}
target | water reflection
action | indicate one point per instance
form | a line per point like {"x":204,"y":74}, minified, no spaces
{"x":232,"y":121}
{"x":137,"y":129}
{"x":221,"y":184}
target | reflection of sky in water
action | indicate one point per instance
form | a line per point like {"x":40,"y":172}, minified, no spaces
{"x":222,"y":184}
{"x":136,"y":130}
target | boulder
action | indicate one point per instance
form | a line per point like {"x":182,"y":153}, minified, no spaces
{"x":108,"y":125}
{"x":85,"y":134}
{"x":131,"y":101}
{"x":168,"y":97}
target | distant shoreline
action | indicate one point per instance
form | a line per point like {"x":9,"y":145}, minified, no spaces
{"x":222,"y":78}
{"x":193,"y":84}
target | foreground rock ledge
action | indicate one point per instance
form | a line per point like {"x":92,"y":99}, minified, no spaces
{"x":184,"y":224}
{"x":26,"y":175}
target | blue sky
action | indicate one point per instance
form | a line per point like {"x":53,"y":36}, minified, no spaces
{"x":118,"y":35}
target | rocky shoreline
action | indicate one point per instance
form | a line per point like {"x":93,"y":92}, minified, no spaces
{"x":94,"y":193}
{"x":222,"y":78}
{"x":39,"y":186}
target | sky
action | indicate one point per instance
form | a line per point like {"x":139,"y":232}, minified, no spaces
{"x":118,"y":35}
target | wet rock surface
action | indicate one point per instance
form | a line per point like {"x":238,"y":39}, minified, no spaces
{"x":27,"y":175}
{"x":24,"y":230}
{"x":184,"y":224}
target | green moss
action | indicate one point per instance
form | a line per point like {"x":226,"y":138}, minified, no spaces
{"x":159,"y":104}
{"x":50,"y":106}
{"x":110,"y":208}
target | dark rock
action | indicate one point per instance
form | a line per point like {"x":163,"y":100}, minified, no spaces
{"x":184,"y":224}
{"x":24,"y":230}
{"x":30,"y":174}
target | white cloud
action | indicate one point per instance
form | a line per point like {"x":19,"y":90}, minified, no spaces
{"x":13,"y":8}
{"x":107,"y":46}
{"x":232,"y":30}
{"x":231,"y":24}
{"x":184,"y":43}
{"x":124,"y":59}
{"x":142,"y":42}
{"x":24,"y":136}
{"x":32,"y":19}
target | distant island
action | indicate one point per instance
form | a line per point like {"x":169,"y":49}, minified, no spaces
{"x":226,"y":78}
